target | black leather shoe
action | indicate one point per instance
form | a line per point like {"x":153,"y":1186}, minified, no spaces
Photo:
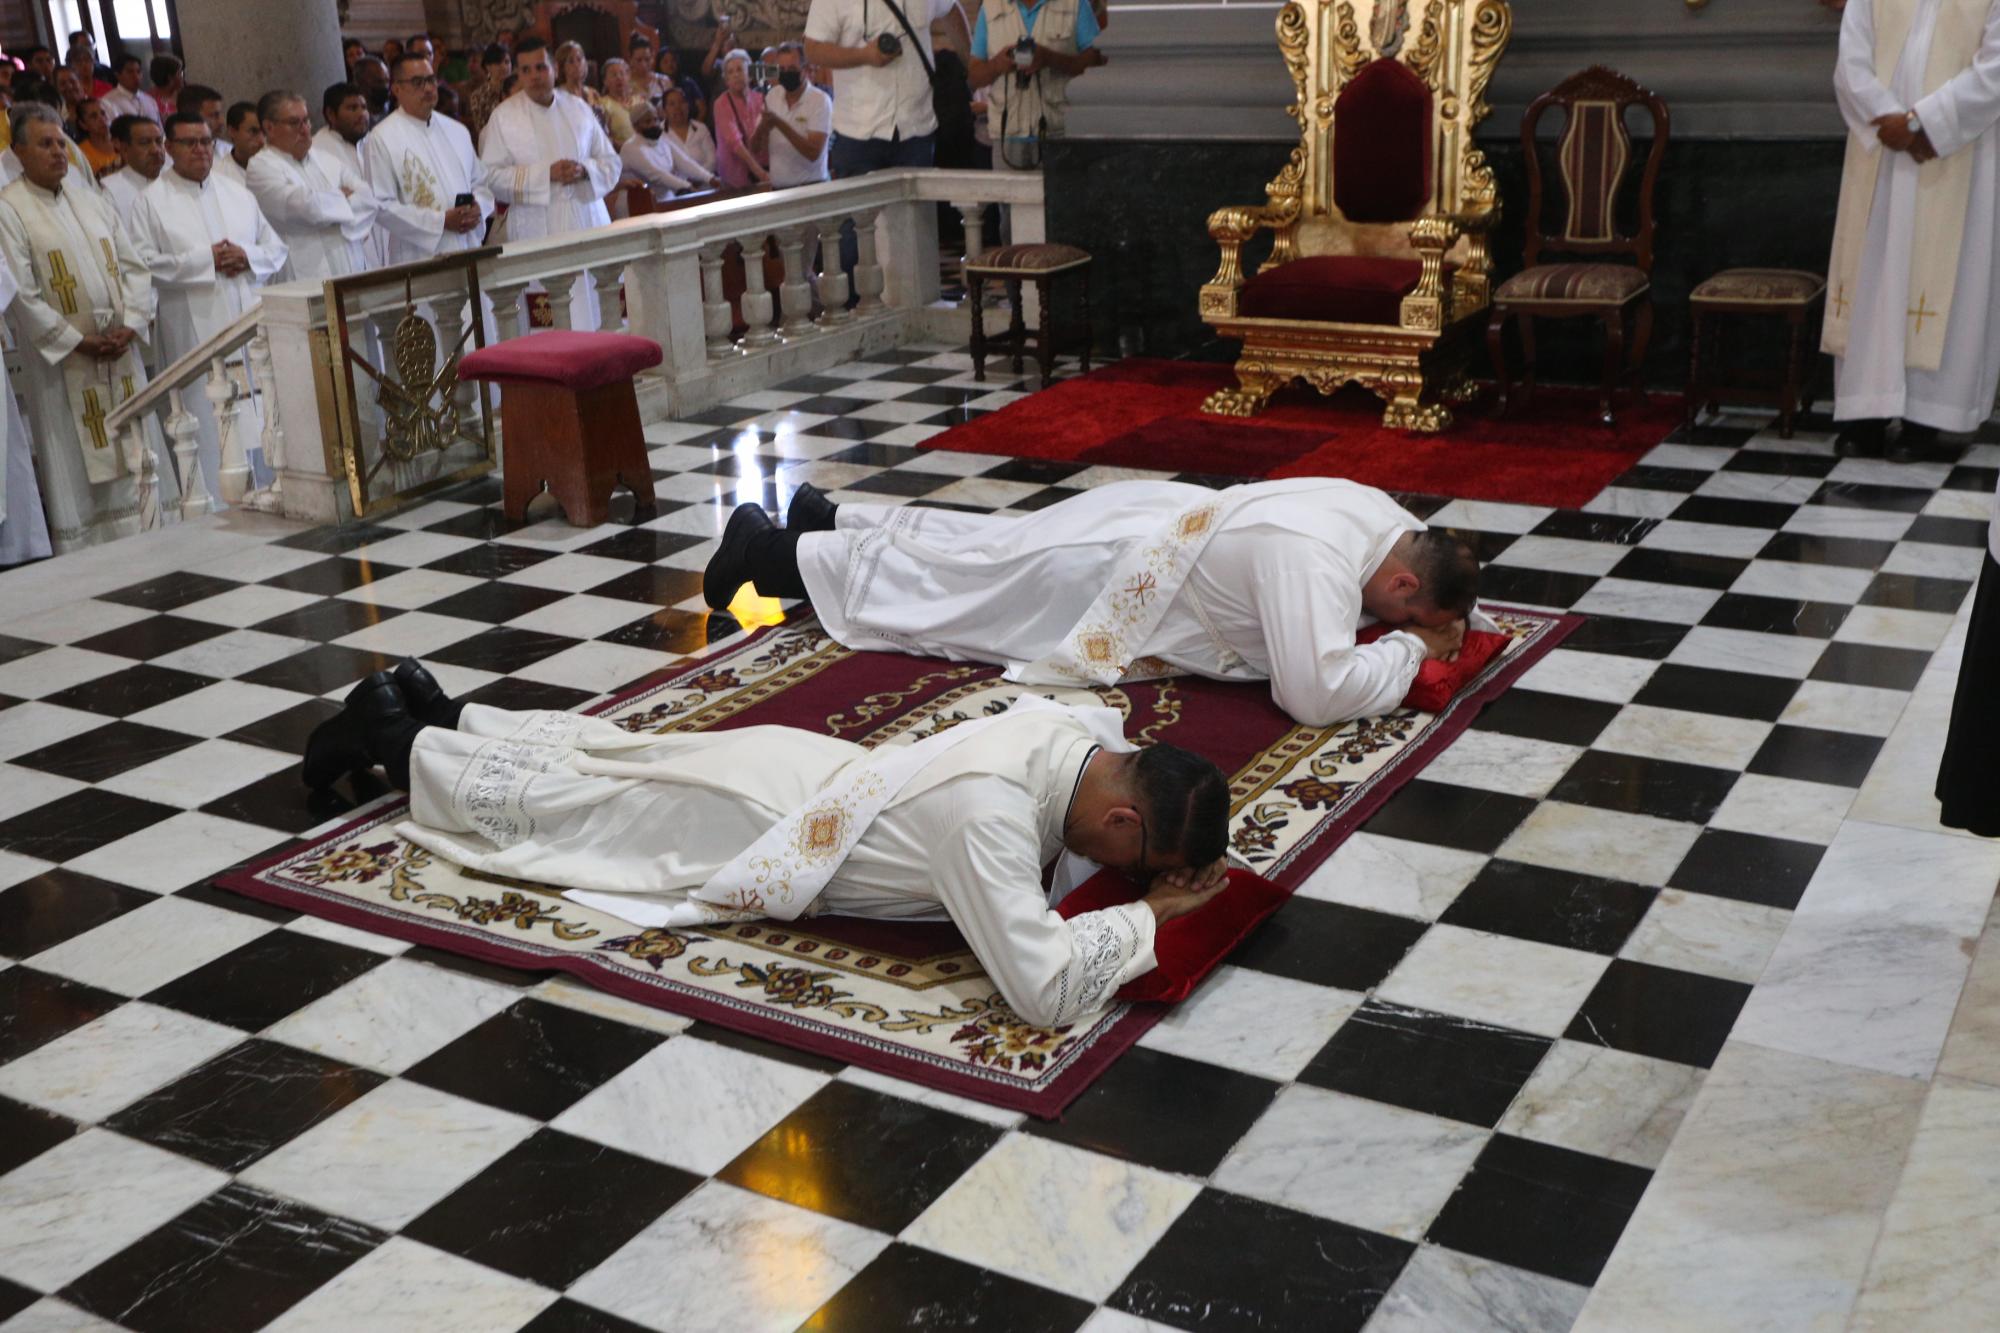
{"x":1915,"y":444}
{"x":382,"y":720}
{"x":424,"y":697}
{"x":729,"y":568}
{"x":810,"y":510}
{"x":339,"y":745}
{"x":1860,"y":439}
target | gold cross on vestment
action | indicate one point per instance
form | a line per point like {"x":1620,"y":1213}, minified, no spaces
{"x":1840,"y":301}
{"x":110,"y":259}
{"x":1922,"y":312}
{"x":93,"y":418}
{"x":62,"y":282}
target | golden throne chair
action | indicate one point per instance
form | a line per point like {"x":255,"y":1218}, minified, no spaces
{"x":1378,"y":273}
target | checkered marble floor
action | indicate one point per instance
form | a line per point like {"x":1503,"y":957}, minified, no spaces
{"x":1429,"y":1094}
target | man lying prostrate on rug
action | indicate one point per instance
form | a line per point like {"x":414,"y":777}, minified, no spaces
{"x":1266,"y":581}
{"x":713,"y":826}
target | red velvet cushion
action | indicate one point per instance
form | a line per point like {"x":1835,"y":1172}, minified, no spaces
{"x":1188,"y":948}
{"x":1382,"y":144}
{"x":1437,"y":681}
{"x":580,"y":361}
{"x":1343,"y":289}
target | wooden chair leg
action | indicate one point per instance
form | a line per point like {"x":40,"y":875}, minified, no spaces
{"x":1788,"y":406}
{"x":1642,"y":338}
{"x":1526,"y":324}
{"x":1089,"y":329}
{"x":1696,"y":326}
{"x":1017,"y":327}
{"x":977,"y":295}
{"x":1614,"y":361}
{"x":1045,"y":345}
{"x":1496,"y":352}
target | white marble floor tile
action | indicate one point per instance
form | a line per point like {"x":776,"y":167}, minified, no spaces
{"x":1634,"y":502}
{"x":1669,"y":602}
{"x":1690,"y":457}
{"x":582,"y":616}
{"x":985,"y":492}
{"x":1637,"y":848}
{"x":932,"y":1097}
{"x":14,"y":868}
{"x":30,"y":726}
{"x":690,"y":1103}
{"x":82,"y":1201}
{"x":1762,"y":486}
{"x":1882,"y":472}
{"x":957,"y":462}
{"x":22,"y":789}
{"x":423,"y":515}
{"x":50,"y":1315}
{"x":200,"y":774}
{"x":1496,"y":761}
{"x":233,"y":654}
{"x":1933,"y":561}
{"x":572,"y":994}
{"x":1413,"y":879}
{"x":1057,"y":1216}
{"x":43,"y":674}
{"x":1688,"y":738}
{"x":1763,"y":1213}
{"x":413,"y":634}
{"x":1894,"y":627}
{"x":405,"y":1287}
{"x":1839,"y":521}
{"x":388,"y":1156}
{"x":1365,"y":1163}
{"x":1606,"y":1102}
{"x":393,"y":1016}
{"x":902,"y":413}
{"x":1566,"y":555}
{"x":216,"y":709}
{"x":597,"y":666}
{"x":552,"y":532}
{"x":1519,"y":984}
{"x":1972,"y":1048}
{"x":826,"y":476}
{"x":744,"y":1262}
{"x":146,"y":948}
{"x":79,"y":619}
{"x":1783,"y":808}
{"x":412,"y":588}
{"x":703,"y":487}
{"x":1601,"y":676}
{"x":179,"y":851}
{"x":1676,"y":534}
{"x":247,"y":605}
{"x":1901,"y":787}
{"x":673,"y":432}
{"x":1798,"y":581}
{"x":1443,"y":1289}
{"x":112,"y":1061}
{"x":1934,"y":1263}
{"x":266,"y":560}
{"x":918,"y":433}
{"x":1830,"y":706}
{"x":410,"y":549}
{"x":1698,"y":932}
{"x":1960,"y":504}
{"x":1489,"y":516}
{"x":1108,"y":1320}
{"x":1261,"y":1024}
{"x":1100,"y":475}
{"x":1743,"y":650}
{"x":366,"y":940}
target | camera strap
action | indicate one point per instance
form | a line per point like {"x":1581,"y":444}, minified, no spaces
{"x":930,"y":71}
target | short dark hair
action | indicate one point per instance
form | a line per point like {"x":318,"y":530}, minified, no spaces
{"x":28,"y":53}
{"x":163,"y":70}
{"x":335,"y":94}
{"x":118,"y":65}
{"x":639,"y":39}
{"x":183,"y":118}
{"x":1186,"y":801}
{"x":419,"y":37}
{"x":121,"y":128}
{"x":528,"y":45}
{"x":37,"y":90}
{"x":191,"y":97}
{"x":407,"y":58}
{"x":238,"y":113}
{"x":271,"y":101}
{"x":494,"y":52}
{"x":353,"y":41}
{"x":85,"y":102}
{"x":1447,"y":568}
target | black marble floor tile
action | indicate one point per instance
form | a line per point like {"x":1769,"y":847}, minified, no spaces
{"x":959,"y":416}
{"x":1737,"y":513}
{"x":1912,"y":592}
{"x":732,"y":463}
{"x":334,"y":540}
{"x":1713,"y":434}
{"x":643,"y":544}
{"x":1648,"y":476}
{"x":1841,"y":758}
{"x":465,"y":965}
{"x":908,"y":374}
{"x":857,"y":429}
{"x":258,"y":983}
{"x":504,"y":648}
{"x":244,"y":1104}
{"x":1964,"y":478}
{"x":320,"y":669}
{"x":153,"y":637}
{"x":1775,"y":615}
{"x":1750,"y":867}
{"x":913,"y":1289}
{"x":1450,"y":816}
{"x":106,"y":751}
{"x":1560,"y":907}
{"x":1447,"y":1066}
{"x":1486,"y":546}
{"x":1808,"y":549}
{"x":238,"y":1259}
{"x":535,"y":1058}
{"x":1329,"y":944}
{"x":486,"y":490}
{"x":1042,"y":499}
{"x":164,"y":592}
{"x":37,"y":1007}
{"x":1625,"y":636}
{"x":132,"y":690}
{"x":26,"y":1132}
{"x":281,"y":801}
{"x":333,"y":576}
{"x":1860,"y":495}
{"x":1871,"y":664}
{"x":513,"y":692}
{"x":669,"y":631}
{"x":1546,"y":717}
{"x":1723,"y":693}
{"x":208,"y":894}
{"x":656,"y":584}
{"x":491,"y":561}
{"x":1041,"y":471}
{"x":903,"y":482}
{"x":1642,"y":786}
{"x":1659,"y":1011}
{"x":13,"y":649}
{"x":1235,"y":1265}
{"x":568,"y":1316}
{"x":1653,"y":565}
{"x":495,"y":602}
{"x":830,"y":403}
{"x":1579,"y":525}
{"x":945,"y":395}
{"x":1780,"y":465}
{"x":483,"y":524}
{"x":15,"y":1298}
{"x":1163,"y":1111}
{"x":80,"y":822}
{"x":768,"y":1050}
{"x":58,"y":905}
{"x":1516,"y":584}
{"x":328,"y":619}
{"x":861,"y":1156}
{"x":1216,"y":481}
{"x":1546,"y":1209}
{"x":526,"y":1215}
{"x":288,"y":729}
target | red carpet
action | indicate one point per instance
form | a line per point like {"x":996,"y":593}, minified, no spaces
{"x":1147,"y":413}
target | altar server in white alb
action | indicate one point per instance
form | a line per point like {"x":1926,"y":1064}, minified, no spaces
{"x":696,"y":829}
{"x":550,"y":162}
{"x":1138,"y":579}
{"x":209,"y":248}
{"x":1913,"y":299}
{"x":322,"y":209}
{"x":344,"y":108}
{"x":419,"y":164}
{"x":80,"y":319}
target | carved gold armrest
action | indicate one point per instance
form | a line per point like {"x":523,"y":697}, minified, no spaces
{"x":1429,"y":305}
{"x":1231,"y":227}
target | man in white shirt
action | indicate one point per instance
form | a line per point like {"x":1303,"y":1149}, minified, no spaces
{"x":244,"y":140}
{"x":127,"y":99}
{"x":322,"y":209}
{"x":649,"y":156}
{"x":144,"y":147}
{"x":420,"y":163}
{"x":882,"y":114}
{"x":796,"y":124}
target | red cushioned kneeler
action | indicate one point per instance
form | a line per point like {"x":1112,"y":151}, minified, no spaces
{"x":569,"y":419}
{"x":1437,"y":681}
{"x":1188,"y":948}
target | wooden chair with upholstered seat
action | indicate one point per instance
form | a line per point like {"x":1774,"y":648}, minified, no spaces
{"x":1594,"y":161}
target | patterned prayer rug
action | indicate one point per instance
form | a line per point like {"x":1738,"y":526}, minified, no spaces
{"x":908,"y":999}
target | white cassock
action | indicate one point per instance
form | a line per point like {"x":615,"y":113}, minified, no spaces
{"x":325,"y":229}
{"x":650,"y":827}
{"x":418,"y":168}
{"x":225,"y":167}
{"x":176,"y":228}
{"x":521,"y":141}
{"x":1913,"y":338}
{"x":24,"y":528}
{"x":79,"y":274}
{"x":1273,"y":592}
{"x":123,"y":187}
{"x":374,"y":250}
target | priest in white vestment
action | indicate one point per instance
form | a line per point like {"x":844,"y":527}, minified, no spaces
{"x":766,"y":821}
{"x":209,"y":248}
{"x":24,"y":528}
{"x":245,"y":141}
{"x":143,"y":145}
{"x":1913,"y":302}
{"x":547,"y":158}
{"x":1137,"y":579}
{"x":420,"y":163}
{"x":322,"y":209}
{"x":80,"y":319}
{"x":345,"y":109}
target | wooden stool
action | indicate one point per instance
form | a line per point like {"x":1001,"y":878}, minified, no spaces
{"x":1788,"y":294}
{"x":569,"y":419}
{"x":1038,"y":263}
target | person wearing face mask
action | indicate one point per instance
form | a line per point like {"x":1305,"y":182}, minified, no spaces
{"x":651,"y":157}
{"x":797,"y":124}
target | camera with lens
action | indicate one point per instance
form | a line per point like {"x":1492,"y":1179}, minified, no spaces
{"x":1024,"y":58}
{"x":889,"y":44}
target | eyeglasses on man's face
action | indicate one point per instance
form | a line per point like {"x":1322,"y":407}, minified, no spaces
{"x":421,"y":81}
{"x":203,"y":144}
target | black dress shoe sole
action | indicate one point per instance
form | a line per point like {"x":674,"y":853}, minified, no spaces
{"x":332,"y":752}
{"x":728,"y":568}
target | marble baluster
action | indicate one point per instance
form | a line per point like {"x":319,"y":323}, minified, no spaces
{"x":758,"y":308}
{"x":974,"y":217}
{"x":869,"y":279}
{"x":832,"y":278}
{"x":185,"y":432}
{"x":272,"y":498}
{"x":139,"y":458}
{"x":226,"y":405}
{"x":716,"y":321}
{"x":562,"y":296}
{"x":609,"y":282}
{"x":507,"y":307}
{"x":796,"y":290}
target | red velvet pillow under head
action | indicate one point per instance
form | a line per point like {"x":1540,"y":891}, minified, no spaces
{"x":580,"y":361}
{"x":1188,"y":948}
{"x":1437,"y":681}
{"x":1382,"y":144}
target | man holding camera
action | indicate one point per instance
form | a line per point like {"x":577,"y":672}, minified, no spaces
{"x":1028,"y":53}
{"x":880,"y":53}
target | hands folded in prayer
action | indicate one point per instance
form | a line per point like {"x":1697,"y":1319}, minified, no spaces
{"x":1179,"y":892}
{"x":1443,"y":643}
{"x":1896,"y":135}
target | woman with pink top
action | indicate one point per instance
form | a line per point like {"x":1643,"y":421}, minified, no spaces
{"x":737,"y":112}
